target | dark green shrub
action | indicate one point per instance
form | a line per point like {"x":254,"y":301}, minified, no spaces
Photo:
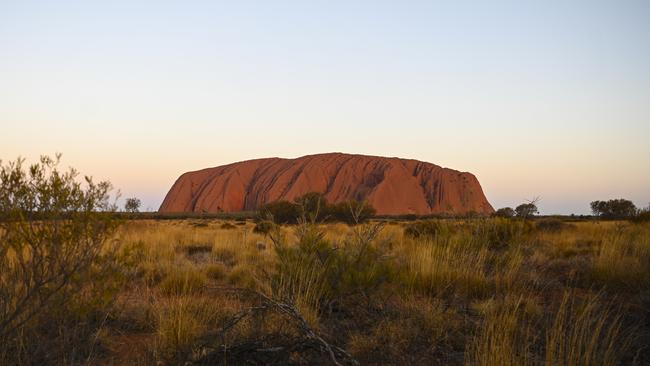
{"x":500,"y":233}
{"x":282,"y":212}
{"x":505,"y":212}
{"x":316,"y":269}
{"x":350,"y":212}
{"x":314,"y":207}
{"x":553,"y":225}
{"x":426,"y":229}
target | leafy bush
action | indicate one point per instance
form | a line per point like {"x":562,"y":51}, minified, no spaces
{"x":315,"y":272}
{"x":350,"y":212}
{"x":282,"y":212}
{"x":314,"y":207}
{"x":56,"y":264}
{"x":426,"y":229}
{"x":553,"y":225}
{"x":500,"y":233}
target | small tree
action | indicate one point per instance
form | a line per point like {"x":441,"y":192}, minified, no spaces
{"x":505,"y":212}
{"x":526,"y":210}
{"x":132,"y":204}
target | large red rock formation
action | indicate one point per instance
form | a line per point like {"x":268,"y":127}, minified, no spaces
{"x":390,"y":185}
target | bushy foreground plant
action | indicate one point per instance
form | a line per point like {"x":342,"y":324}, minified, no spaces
{"x":318,"y":272}
{"x":499,"y":232}
{"x":426,"y":229}
{"x":57,"y":267}
{"x":553,"y":225}
{"x":312,"y":277}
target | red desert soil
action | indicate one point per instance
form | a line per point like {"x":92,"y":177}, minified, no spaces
{"x":391,"y":185}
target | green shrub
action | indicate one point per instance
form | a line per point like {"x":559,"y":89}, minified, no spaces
{"x":282,"y":212}
{"x":58,"y":269}
{"x":426,"y":229}
{"x":350,"y":212}
{"x":314,"y":269}
{"x":553,"y":225}
{"x":499,"y":233}
{"x":314,"y":207}
{"x":505,"y":212}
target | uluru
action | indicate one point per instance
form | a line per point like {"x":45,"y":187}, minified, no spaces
{"x":392,"y":186}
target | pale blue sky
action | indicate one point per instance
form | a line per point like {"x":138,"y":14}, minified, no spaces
{"x":543,"y":98}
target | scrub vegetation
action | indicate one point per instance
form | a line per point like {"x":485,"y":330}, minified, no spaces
{"x":80,"y":287}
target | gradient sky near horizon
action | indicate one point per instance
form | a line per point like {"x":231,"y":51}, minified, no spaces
{"x":536,"y":98}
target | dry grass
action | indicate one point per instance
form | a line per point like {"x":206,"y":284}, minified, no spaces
{"x":478,"y":294}
{"x":623,"y":258}
{"x":504,"y":338}
{"x":447,"y":266}
{"x":586,"y":333}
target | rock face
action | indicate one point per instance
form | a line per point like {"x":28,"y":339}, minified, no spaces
{"x":391,"y":185}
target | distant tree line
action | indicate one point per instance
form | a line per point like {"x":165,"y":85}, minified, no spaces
{"x":525,"y":210}
{"x":614,"y":209}
{"x":314,"y":206}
